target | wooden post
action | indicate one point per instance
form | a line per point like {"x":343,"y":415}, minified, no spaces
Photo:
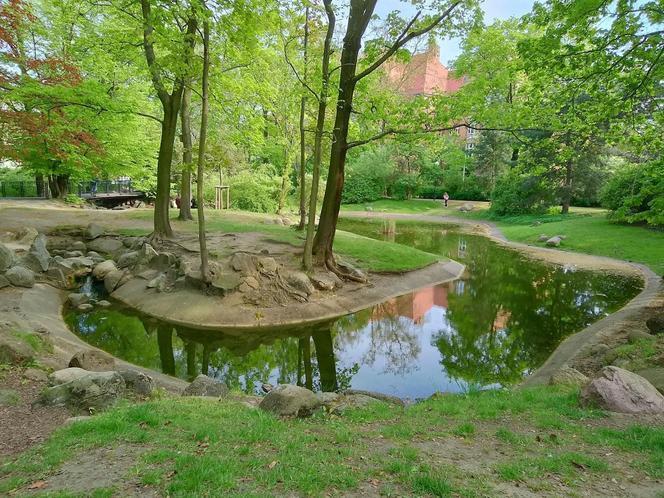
{"x":222,"y":197}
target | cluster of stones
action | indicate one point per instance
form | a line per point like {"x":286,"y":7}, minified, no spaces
{"x":550,"y":241}
{"x":617,"y":389}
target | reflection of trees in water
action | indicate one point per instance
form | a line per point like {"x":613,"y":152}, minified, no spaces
{"x":391,"y":337}
{"x":513,"y":312}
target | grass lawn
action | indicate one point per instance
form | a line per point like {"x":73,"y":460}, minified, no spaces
{"x":477,"y":444}
{"x":370,"y":254}
{"x":417,"y":206}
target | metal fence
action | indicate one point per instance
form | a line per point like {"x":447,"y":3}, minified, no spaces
{"x":82,"y":189}
{"x":21,"y":189}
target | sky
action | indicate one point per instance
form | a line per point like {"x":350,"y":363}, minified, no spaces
{"x":493,"y":9}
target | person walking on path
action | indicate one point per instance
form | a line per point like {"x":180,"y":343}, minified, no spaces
{"x":446,"y":198}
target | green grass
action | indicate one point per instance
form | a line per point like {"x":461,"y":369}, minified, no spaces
{"x":198,"y":447}
{"x":369,"y":254}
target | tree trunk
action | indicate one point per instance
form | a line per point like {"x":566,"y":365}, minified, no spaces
{"x":205,"y":361}
{"x":187,"y":155}
{"x":201,"y":152}
{"x":165,"y":341}
{"x":303,"y":104}
{"x":360,"y":14}
{"x":39,"y":184}
{"x":307,"y":259}
{"x":59,"y":185}
{"x":308,"y":371}
{"x":190,"y":348}
{"x":162,"y":224}
{"x":567,"y":188}
{"x":325,"y":358}
{"x":285,"y":180}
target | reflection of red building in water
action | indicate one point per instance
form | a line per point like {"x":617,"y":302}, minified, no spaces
{"x":414,"y":305}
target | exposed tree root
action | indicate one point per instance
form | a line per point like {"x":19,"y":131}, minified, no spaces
{"x":334,"y":267}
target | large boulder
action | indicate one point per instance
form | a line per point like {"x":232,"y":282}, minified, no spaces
{"x":38,"y":257}
{"x":105,"y":245}
{"x":206,"y":386}
{"x":466,"y":207}
{"x":113,"y":280}
{"x":94,"y":391}
{"x":93,"y":231}
{"x":26,"y":236}
{"x":137,"y":381}
{"x":77,"y":298}
{"x":325,"y":281}
{"x":656,"y":323}
{"x":655,"y":376}
{"x":92,"y":360}
{"x":244,"y":263}
{"x":14,"y":351}
{"x":300,"y":282}
{"x":3,"y":282}
{"x":103,"y":269}
{"x":554,"y":241}
{"x":66,"y":375}
{"x":79,"y":245}
{"x":568,"y":376}
{"x":287,"y":400}
{"x":622,"y":391}
{"x":128,"y":259}
{"x":7,"y":258}
{"x":20,"y":276}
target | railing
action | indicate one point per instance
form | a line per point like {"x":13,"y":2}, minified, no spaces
{"x":104,"y":187}
{"x":21,"y":189}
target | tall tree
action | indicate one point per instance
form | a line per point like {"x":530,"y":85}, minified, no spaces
{"x":303,"y":107}
{"x":187,"y":154}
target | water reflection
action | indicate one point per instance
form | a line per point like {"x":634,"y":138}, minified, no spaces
{"x":499,"y":321}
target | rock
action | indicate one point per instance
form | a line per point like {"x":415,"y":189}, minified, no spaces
{"x":599,"y":349}
{"x":325,"y":281}
{"x":3,"y":282}
{"x":206,"y":386}
{"x":112,"y":280}
{"x":7,"y":258}
{"x":656,"y":323}
{"x":26,"y":236}
{"x":35,"y":375}
{"x":328,"y":399}
{"x":244,"y":263}
{"x":351,"y":270}
{"x":267,"y":266}
{"x":287,"y":401}
{"x":622,"y":391}
{"x":568,"y":376}
{"x":72,"y":254}
{"x":387,"y":398}
{"x":84,"y":307}
{"x":300,"y":282}
{"x":66,"y":375}
{"x":103,"y":303}
{"x":80,"y":263}
{"x":163,"y":261}
{"x":554,"y":241}
{"x":266,"y":387}
{"x":639,"y":335}
{"x":79,"y":245}
{"x":76,"y":299}
{"x":78,"y":418}
{"x":103,"y":269}
{"x":93,"y":360}
{"x":286,"y":222}
{"x":20,"y":277}
{"x":105,"y":245}
{"x":543,"y":238}
{"x":95,"y":257}
{"x":8,"y":397}
{"x":93,"y":391}
{"x":161,"y":283}
{"x":252,"y":282}
{"x":655,"y":376}
{"x":226,"y":281}
{"x":93,"y":231}
{"x":348,"y":401}
{"x":137,"y":381}
{"x":38,"y":257}
{"x":128,"y":259}
{"x":466,"y":207}
{"x":147,"y":253}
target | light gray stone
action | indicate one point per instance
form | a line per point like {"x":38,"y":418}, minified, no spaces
{"x":226,"y":281}
{"x":244,"y":263}
{"x":206,"y":386}
{"x":137,"y":381}
{"x":20,"y":277}
{"x":325,"y":281}
{"x":79,"y":245}
{"x":619,"y":390}
{"x":92,"y":360}
{"x":7,"y":258}
{"x":290,"y":401}
{"x":26,"y":236}
{"x":38,"y":257}
{"x":105,"y":245}
{"x":554,"y":241}
{"x":300,"y":282}
{"x":84,"y":307}
{"x":66,"y":375}
{"x":72,"y":254}
{"x":267,"y":266}
{"x":94,"y":391}
{"x":3,"y":282}
{"x":543,"y":238}
{"x":35,"y":375}
{"x":103,"y":269}
{"x":128,"y":259}
{"x":76,"y":299}
{"x":93,"y":231}
{"x":568,"y":376}
{"x":655,"y":376}
{"x":103,"y":303}
{"x":112,"y":280}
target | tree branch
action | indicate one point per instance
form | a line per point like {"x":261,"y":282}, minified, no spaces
{"x":297,"y":75}
{"x":405,"y":37}
{"x":148,"y":47}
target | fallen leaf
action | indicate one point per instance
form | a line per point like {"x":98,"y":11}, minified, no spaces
{"x":272,"y":464}
{"x":170,"y":474}
{"x":579,"y":465}
{"x":38,"y":485}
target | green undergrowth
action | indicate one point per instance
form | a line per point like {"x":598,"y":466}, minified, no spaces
{"x":369,"y":254}
{"x":450,"y":445}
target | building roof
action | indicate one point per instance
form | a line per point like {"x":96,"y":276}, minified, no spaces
{"x":423,"y":74}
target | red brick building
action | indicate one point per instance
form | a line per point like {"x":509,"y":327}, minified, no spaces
{"x":425,"y":75}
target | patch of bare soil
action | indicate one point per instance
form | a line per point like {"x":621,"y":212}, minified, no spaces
{"x":101,"y":468}
{"x":23,"y":425}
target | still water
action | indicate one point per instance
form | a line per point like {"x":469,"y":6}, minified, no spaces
{"x":491,"y":327}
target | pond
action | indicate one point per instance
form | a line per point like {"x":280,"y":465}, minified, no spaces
{"x":490,"y":328}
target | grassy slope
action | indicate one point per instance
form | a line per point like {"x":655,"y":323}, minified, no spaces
{"x":368,"y":253}
{"x":453,"y":445}
{"x":588,"y":230}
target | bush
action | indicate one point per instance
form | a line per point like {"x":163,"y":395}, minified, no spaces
{"x":255,"y":190}
{"x":636,"y":193}
{"x":73,"y":199}
{"x":367,"y":176}
{"x":517,"y":193}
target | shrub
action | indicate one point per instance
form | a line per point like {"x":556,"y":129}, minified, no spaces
{"x":73,"y":199}
{"x":367,"y":176}
{"x":636,"y":193}
{"x":255,"y":190}
{"x":518,"y":193}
